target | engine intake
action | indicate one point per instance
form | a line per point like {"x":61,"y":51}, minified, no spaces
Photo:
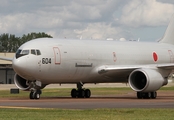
{"x":25,"y":85}
{"x":145,"y":80}
{"x":21,"y":83}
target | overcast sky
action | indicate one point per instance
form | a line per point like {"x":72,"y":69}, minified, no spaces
{"x":96,"y":19}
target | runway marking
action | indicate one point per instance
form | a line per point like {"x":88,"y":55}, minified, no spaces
{"x":15,"y":107}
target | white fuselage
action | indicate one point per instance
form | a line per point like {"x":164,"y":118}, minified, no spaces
{"x":72,"y":61}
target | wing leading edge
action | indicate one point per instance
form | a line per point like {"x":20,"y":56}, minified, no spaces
{"x":6,"y":59}
{"x":105,"y":69}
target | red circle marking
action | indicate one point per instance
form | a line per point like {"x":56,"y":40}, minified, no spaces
{"x":155,"y":56}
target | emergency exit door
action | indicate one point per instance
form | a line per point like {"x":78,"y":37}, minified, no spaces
{"x":171,"y":56}
{"x":57,"y":55}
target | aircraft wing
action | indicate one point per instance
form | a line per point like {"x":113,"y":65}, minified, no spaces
{"x":169,"y":66}
{"x":112,"y":68}
{"x":123,"y":71}
{"x":6,"y":59}
{"x":109,"y":68}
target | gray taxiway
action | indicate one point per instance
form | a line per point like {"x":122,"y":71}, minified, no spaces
{"x":165,"y":99}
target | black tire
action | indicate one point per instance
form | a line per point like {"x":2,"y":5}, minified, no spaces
{"x":87,"y":93}
{"x":39,"y":91}
{"x":139,"y":95}
{"x":31,"y":96}
{"x":73,"y":93}
{"x":81,"y":93}
{"x":36,"y":95}
{"x":147,"y":95}
{"x":153,"y":95}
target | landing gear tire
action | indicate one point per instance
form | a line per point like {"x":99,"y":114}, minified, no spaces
{"x":73,"y":93}
{"x":35,"y":94}
{"x":87,"y":93}
{"x":31,"y":95}
{"x":146,"y":95}
{"x":80,"y":93}
{"x":153,"y":95}
{"x":139,"y":95}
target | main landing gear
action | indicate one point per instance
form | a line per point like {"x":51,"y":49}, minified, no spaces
{"x":146,"y":95}
{"x":80,"y":92}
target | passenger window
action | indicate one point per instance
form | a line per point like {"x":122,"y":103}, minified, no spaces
{"x":25,"y":52}
{"x":38,"y":52}
{"x":33,"y":52}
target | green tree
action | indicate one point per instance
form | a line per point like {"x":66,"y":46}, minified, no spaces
{"x":31,"y":36}
{"x":10,"y":43}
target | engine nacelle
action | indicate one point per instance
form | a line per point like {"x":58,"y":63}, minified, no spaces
{"x":25,"y":85}
{"x":146,"y":80}
{"x":21,"y":83}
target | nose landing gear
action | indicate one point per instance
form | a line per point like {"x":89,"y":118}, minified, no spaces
{"x":35,"y":89}
{"x":35,"y":94}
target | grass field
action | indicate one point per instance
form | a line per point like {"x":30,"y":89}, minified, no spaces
{"x":90,"y":114}
{"x":65,"y":92}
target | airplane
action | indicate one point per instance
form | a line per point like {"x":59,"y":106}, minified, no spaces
{"x":146,"y":66}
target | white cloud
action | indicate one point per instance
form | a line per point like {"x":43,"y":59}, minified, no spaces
{"x":166,"y":1}
{"x":99,"y":19}
{"x":99,"y":31}
{"x":146,"y":13}
{"x":12,"y":23}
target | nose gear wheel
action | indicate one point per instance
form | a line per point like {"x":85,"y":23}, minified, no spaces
{"x":35,"y":94}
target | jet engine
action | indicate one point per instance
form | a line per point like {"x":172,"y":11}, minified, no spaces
{"x":26,"y":85}
{"x":146,"y":80}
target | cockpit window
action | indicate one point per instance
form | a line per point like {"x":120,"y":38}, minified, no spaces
{"x":18,"y":53}
{"x":33,"y":52}
{"x":38,"y":52}
{"x":25,"y":52}
{"x":21,"y":53}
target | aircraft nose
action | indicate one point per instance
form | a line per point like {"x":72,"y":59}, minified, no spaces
{"x":19,"y":65}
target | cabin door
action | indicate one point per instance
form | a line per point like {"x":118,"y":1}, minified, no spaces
{"x":171,"y":56}
{"x":57,"y":55}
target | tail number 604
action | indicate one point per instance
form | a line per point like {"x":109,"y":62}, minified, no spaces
{"x":46,"y":60}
